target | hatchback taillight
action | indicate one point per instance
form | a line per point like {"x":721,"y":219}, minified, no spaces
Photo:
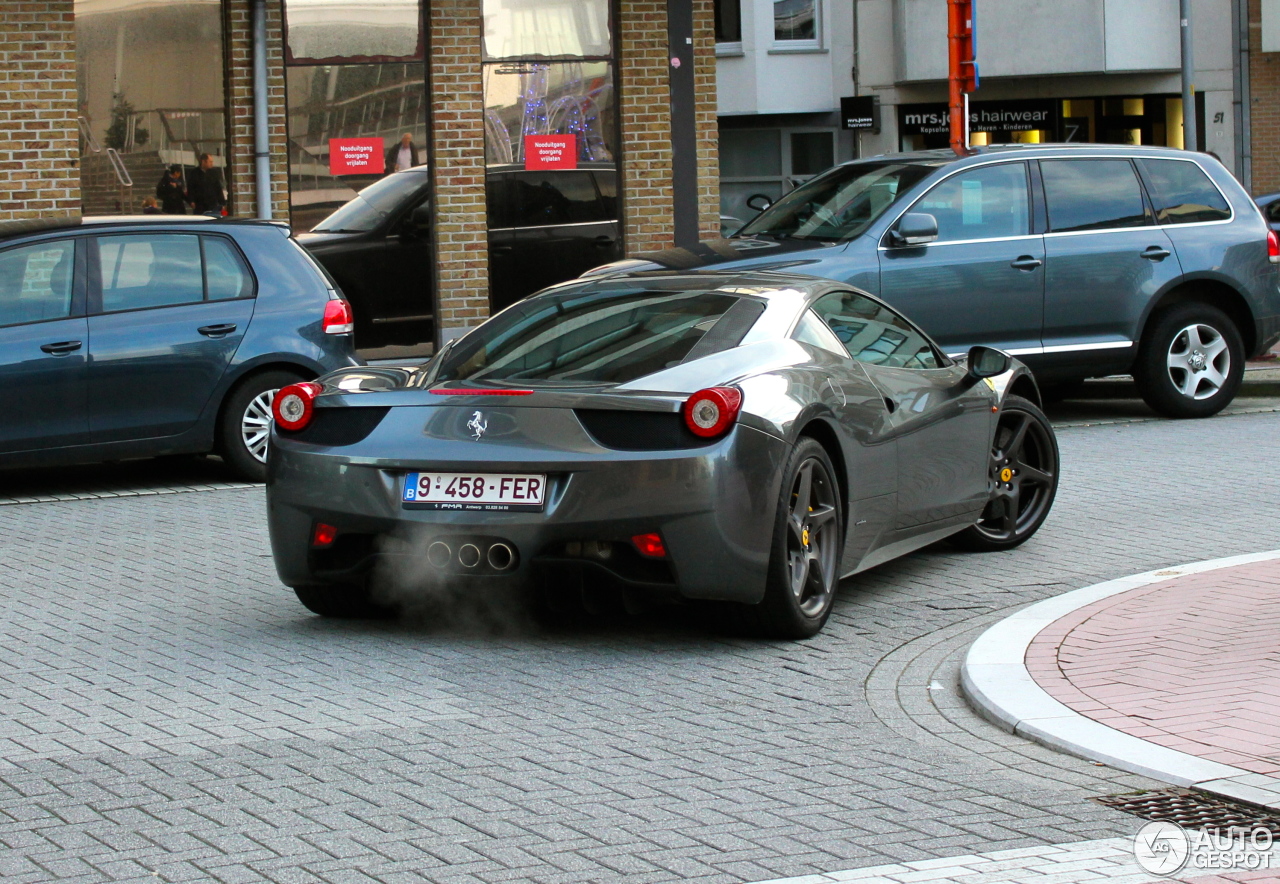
{"x":711,"y":412}
{"x":292,"y":406}
{"x":337,"y":318}
{"x":1273,"y":246}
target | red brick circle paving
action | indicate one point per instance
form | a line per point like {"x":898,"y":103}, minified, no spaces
{"x":1191,"y":663}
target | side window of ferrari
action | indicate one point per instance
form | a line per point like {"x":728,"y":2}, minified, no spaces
{"x":873,"y":333}
{"x":810,"y":330}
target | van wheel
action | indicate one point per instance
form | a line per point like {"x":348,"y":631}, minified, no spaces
{"x":1191,"y":361}
{"x":245,"y":424}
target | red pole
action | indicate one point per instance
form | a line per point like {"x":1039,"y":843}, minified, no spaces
{"x":960,"y":70}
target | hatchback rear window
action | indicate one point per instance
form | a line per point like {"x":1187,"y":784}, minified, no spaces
{"x":1183,"y":193}
{"x":609,"y":337}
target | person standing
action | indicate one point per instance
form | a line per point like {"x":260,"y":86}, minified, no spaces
{"x":204,"y":188}
{"x":171,"y":192}
{"x":403,"y":155}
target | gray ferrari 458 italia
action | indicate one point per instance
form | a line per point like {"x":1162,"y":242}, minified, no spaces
{"x":742,"y":438}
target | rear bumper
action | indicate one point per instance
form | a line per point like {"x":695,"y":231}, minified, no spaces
{"x":713,"y":506}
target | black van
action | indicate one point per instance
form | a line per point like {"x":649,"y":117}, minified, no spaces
{"x":544,"y":227}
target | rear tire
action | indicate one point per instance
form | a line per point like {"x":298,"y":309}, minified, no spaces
{"x":808,"y":539}
{"x":343,"y":601}
{"x":1191,"y":361}
{"x":246,"y":423}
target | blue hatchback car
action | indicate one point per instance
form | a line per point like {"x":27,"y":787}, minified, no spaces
{"x":142,"y":336}
{"x":1081,"y":260}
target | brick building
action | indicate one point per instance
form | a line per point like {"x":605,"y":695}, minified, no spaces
{"x":100,"y":96}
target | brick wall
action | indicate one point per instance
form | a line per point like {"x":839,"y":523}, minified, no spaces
{"x":461,"y":233}
{"x":39,"y":142}
{"x":238,"y":43}
{"x":1264,"y":86}
{"x":646,"y":123}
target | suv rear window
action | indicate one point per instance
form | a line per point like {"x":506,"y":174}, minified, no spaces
{"x":1183,"y":193}
{"x":609,"y":337}
{"x":1092,"y":195}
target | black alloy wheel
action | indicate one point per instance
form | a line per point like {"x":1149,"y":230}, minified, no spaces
{"x":804,"y":568}
{"x":1022,"y":479}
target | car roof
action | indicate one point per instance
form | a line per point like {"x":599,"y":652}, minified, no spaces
{"x":758,"y":283}
{"x":26,"y":226}
{"x":946,"y":156}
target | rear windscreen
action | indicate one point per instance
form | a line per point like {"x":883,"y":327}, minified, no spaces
{"x":595,"y":338}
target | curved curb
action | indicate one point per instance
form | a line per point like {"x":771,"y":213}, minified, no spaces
{"x":995,"y":680}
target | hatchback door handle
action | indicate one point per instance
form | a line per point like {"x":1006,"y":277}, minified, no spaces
{"x":1156,"y":253}
{"x":217,"y":331}
{"x":1026,"y":262}
{"x":61,"y":348}
{"x":603,"y":242}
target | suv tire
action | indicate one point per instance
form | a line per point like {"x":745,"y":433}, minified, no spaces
{"x":1190,"y":362}
{"x":241,"y":412}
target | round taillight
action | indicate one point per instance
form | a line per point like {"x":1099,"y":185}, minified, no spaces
{"x":710,"y":412}
{"x":292,"y":405}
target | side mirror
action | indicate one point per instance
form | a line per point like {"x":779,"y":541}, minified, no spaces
{"x":420,"y":218}
{"x":915,"y":229}
{"x":759,"y":202}
{"x":987,"y":362}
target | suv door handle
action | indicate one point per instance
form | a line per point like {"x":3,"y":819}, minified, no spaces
{"x":217,"y":331}
{"x":604,"y":242}
{"x":1026,"y":262}
{"x":1156,"y":253}
{"x":61,"y":348}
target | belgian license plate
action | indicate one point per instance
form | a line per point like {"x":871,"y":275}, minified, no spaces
{"x":476,"y":492}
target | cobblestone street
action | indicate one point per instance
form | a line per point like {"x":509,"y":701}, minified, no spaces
{"x":169,"y":712}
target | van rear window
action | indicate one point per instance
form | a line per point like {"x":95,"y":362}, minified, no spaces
{"x":1183,"y":193}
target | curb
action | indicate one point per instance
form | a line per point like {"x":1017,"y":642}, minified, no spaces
{"x":995,"y":681}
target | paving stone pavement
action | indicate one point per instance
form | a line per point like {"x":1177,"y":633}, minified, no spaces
{"x":169,"y":712}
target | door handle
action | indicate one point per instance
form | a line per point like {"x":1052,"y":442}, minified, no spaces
{"x":604,"y":242}
{"x":1026,"y":262}
{"x":61,"y":348}
{"x":1156,"y":253}
{"x":501,"y":250}
{"x":217,"y":331}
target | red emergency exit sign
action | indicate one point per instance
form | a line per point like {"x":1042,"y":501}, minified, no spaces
{"x":356,"y":156}
{"x":551,"y":151}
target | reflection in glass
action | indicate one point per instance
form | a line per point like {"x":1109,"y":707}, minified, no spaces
{"x":1092,"y":195}
{"x":545,"y":28}
{"x":355,"y":30}
{"x":561,"y":98}
{"x":795,"y":20}
{"x":983,"y":203}
{"x":150,"y":94}
{"x":384,"y":101}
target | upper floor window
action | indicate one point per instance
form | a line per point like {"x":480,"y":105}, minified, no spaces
{"x":546,"y":29}
{"x":352,"y":31}
{"x":728,"y":21}
{"x":795,"y":23}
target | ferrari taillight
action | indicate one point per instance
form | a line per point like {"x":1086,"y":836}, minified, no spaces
{"x":338,"y":319}
{"x":711,"y":412}
{"x":292,"y":405}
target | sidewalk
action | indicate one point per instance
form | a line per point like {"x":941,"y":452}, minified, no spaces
{"x":1174,"y":674}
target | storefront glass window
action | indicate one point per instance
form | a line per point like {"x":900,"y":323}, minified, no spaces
{"x":546,"y":29}
{"x":347,"y":128}
{"x":352,"y":30}
{"x":150,"y":95}
{"x":527,"y":99}
{"x":795,"y":20}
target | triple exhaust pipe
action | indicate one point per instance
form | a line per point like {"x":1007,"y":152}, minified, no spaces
{"x":499,"y":556}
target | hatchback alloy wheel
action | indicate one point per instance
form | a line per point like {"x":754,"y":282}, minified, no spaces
{"x":255,"y":425}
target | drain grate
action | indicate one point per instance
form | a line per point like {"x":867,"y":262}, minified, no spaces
{"x":1193,"y":810}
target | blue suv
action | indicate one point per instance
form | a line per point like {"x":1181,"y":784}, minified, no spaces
{"x":1081,"y":260}
{"x":141,"y":336}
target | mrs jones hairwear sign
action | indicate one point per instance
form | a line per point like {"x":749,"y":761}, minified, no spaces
{"x":1018,"y":115}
